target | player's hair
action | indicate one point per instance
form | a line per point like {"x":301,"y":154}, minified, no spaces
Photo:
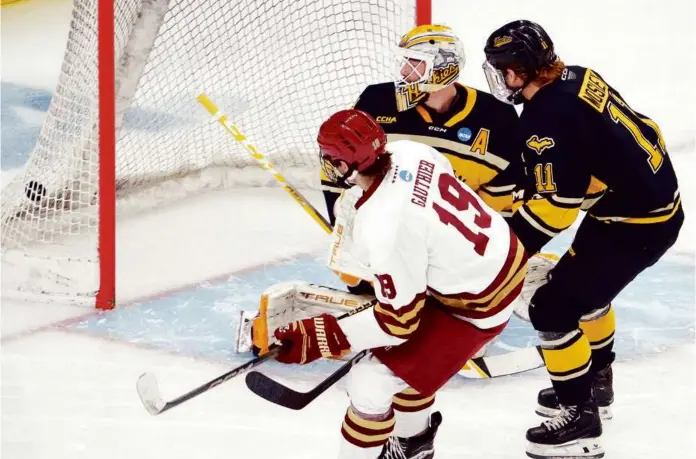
{"x":550,"y":73}
{"x":380,"y":167}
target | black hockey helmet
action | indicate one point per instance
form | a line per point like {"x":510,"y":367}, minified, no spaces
{"x":523,"y":46}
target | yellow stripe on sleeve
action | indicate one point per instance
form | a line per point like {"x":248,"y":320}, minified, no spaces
{"x":554,"y":217}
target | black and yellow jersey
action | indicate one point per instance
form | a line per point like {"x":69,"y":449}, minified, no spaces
{"x":585,"y":148}
{"x":475,"y":134}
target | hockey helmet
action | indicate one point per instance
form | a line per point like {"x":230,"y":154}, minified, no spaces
{"x":522,"y":46}
{"x":431,"y":57}
{"x":351,"y":136}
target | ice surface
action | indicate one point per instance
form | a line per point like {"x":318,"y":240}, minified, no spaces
{"x":185,"y":269}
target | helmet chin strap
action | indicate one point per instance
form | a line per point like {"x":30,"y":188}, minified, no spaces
{"x":516,"y":96}
{"x":348,"y":178}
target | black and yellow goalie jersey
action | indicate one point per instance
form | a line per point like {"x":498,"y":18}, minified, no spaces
{"x":476,"y":135}
{"x":586,"y":148}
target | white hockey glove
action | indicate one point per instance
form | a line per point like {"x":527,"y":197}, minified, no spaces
{"x":287,"y":302}
{"x":538,"y":268}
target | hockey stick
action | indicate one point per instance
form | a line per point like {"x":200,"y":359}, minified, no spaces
{"x":154,"y":403}
{"x":481,"y":368}
{"x":510,"y":363}
{"x":282,"y":395}
{"x":263,"y":161}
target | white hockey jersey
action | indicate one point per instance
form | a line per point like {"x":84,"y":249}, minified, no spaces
{"x":420,"y":231}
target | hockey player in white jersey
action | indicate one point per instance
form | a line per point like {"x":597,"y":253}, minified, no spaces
{"x":446,"y":270}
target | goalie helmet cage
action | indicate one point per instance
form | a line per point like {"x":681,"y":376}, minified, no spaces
{"x":124,"y":131}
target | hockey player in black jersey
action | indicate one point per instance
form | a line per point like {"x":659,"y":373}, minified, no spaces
{"x":584,"y":148}
{"x":426,"y":104}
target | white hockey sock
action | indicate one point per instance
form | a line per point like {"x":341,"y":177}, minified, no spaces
{"x":412,"y":412}
{"x":410,"y":424}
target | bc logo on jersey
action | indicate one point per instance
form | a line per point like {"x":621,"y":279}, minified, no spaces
{"x":406,"y":176}
{"x":464,"y":134}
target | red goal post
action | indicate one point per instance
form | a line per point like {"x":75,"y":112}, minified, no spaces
{"x":124,"y":117}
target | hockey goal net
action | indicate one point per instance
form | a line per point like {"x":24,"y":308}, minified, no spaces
{"x":124,"y":118}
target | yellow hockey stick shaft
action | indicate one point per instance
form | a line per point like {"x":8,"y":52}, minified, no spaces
{"x":263,"y":161}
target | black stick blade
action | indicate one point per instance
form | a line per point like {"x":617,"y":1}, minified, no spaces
{"x":277,"y":393}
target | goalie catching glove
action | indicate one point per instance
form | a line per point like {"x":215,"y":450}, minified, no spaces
{"x":307,"y":340}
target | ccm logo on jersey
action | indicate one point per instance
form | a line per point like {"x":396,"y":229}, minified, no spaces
{"x":386,"y":119}
{"x":437,"y":129}
{"x":540,"y":144}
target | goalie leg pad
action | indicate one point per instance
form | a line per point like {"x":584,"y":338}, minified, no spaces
{"x":341,"y":257}
{"x":287,"y":302}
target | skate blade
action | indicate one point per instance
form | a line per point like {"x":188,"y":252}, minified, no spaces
{"x":605,"y":412}
{"x":584,"y":448}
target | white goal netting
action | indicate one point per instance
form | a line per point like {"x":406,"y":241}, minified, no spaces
{"x":278,"y":68}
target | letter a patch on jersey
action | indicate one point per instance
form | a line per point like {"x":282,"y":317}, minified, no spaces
{"x":540,"y":144}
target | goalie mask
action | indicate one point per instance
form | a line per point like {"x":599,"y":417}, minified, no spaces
{"x":431,"y":58}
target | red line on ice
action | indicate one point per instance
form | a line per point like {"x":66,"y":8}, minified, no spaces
{"x":60,"y":324}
